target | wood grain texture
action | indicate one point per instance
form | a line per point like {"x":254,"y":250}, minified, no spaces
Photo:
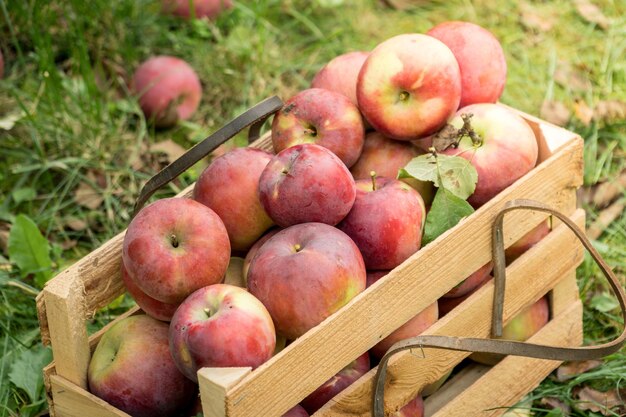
{"x":214,"y":384}
{"x":528,"y":278}
{"x":72,"y":401}
{"x":467,"y":376}
{"x":512,"y":378}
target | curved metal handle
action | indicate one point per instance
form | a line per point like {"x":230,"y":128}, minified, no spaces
{"x":253,"y":117}
{"x":506,"y":347}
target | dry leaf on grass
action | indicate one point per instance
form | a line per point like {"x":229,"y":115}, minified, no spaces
{"x":555,"y":112}
{"x":86,"y":196}
{"x":554,"y":403}
{"x":171,"y":149}
{"x":571,"y":369}
{"x":533,"y":19}
{"x":605,"y":218}
{"x":607,"y":403}
{"x":68,"y":244}
{"x":605,"y":193}
{"x":583,"y":112}
{"x":610,"y":110}
{"x":591,"y":13}
{"x":76,"y":224}
{"x":5,"y":230}
{"x":568,"y":77}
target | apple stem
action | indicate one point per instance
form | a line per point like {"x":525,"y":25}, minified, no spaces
{"x":297,"y":247}
{"x":373,"y":176}
{"x":404,"y":96}
{"x":208,"y":312}
{"x":468,"y":130}
{"x":174,"y":240}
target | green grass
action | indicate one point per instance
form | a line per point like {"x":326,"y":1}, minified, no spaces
{"x":68,"y":66}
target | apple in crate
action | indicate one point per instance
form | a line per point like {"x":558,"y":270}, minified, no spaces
{"x":508,"y":151}
{"x":221,"y":326}
{"x":296,"y":411}
{"x":414,"y":408}
{"x":322,"y":117}
{"x":254,"y":249}
{"x":344,"y":378}
{"x":526,"y":242}
{"x":305,"y":273}
{"x":168,"y":90}
{"x":340,"y":74}
{"x":154,"y":308}
{"x":173,"y":247}
{"x":306,"y":183}
{"x":229,"y":186}
{"x":201,"y":8}
{"x":475,"y":280}
{"x":386,"y":222}
{"x":480,"y":57}
{"x":409,"y":86}
{"x":133,"y":370}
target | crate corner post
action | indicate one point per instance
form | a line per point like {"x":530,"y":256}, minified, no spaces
{"x":214,"y":386}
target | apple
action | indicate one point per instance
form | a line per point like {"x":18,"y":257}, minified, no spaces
{"x":414,"y":327}
{"x":480,"y":57}
{"x":344,"y":378}
{"x":173,"y":247}
{"x":221,"y":326}
{"x":234,"y":273}
{"x":322,"y":117}
{"x":409,"y":86}
{"x":509,"y":149}
{"x":229,"y":186}
{"x":132,"y":369}
{"x":305,"y":273}
{"x":168,"y":89}
{"x":526,"y":242}
{"x":306,"y":183}
{"x":201,"y":8}
{"x":340,"y":74}
{"x":254,"y":249}
{"x":414,"y":408}
{"x":1,"y":65}
{"x":154,"y":308}
{"x":520,"y":328}
{"x":385,"y":157}
{"x":475,"y":280}
{"x":386,"y":222}
{"x":296,"y":411}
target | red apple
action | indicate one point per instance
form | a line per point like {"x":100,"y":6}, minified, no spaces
{"x":520,"y":328}
{"x":168,"y":90}
{"x":340,"y":74}
{"x":229,"y":186}
{"x":1,"y":65}
{"x":254,"y":249}
{"x":234,"y":273}
{"x":322,"y":117}
{"x":132,"y":369}
{"x":305,"y":273}
{"x":526,"y":242}
{"x":154,"y":308}
{"x":386,"y":222}
{"x":411,"y":328}
{"x":221,"y":326}
{"x":336,"y":384}
{"x":509,"y":148}
{"x":409,"y":86}
{"x":175,"y":246}
{"x":201,"y":8}
{"x":414,"y":408}
{"x":475,"y":280}
{"x":296,"y":411}
{"x":480,"y":57}
{"x":306,"y":183}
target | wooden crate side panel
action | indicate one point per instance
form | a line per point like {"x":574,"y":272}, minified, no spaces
{"x":287,"y":378}
{"x":512,"y":378}
{"x":72,"y":401}
{"x":408,"y":374}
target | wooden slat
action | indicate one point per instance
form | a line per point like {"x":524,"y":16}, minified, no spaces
{"x":72,"y":401}
{"x":453,"y":387}
{"x":214,"y":384}
{"x":564,"y":294}
{"x":512,"y":378}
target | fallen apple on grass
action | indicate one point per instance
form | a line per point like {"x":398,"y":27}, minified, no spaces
{"x":133,"y":370}
{"x":221,"y":326}
{"x":201,"y":8}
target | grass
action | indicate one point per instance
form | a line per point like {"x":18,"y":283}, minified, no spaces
{"x":66,"y":92}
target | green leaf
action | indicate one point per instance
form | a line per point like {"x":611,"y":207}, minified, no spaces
{"x":453,"y":173}
{"x":23,"y":194}
{"x":604,"y":303}
{"x":446,"y":211}
{"x":26,"y":372}
{"x":30,"y":250}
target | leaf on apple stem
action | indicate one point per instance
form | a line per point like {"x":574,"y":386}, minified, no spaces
{"x":455,"y":174}
{"x":446,"y":211}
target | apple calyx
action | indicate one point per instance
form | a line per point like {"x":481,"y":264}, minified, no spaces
{"x":404,"y":96}
{"x":297,"y":247}
{"x":449,"y":136}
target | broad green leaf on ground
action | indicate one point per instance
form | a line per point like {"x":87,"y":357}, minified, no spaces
{"x":604,"y":303}
{"x":453,"y":173}
{"x":446,"y":211}
{"x":29,"y":249}
{"x":23,"y":194}
{"x":26,"y":370}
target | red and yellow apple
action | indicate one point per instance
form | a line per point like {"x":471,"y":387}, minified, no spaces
{"x":306,"y":183}
{"x":254,"y":249}
{"x":133,"y":370}
{"x":234,"y":273}
{"x":414,"y":408}
{"x":322,"y":117}
{"x":296,"y":411}
{"x":221,"y":326}
{"x":305,"y":273}
{"x":168,"y":89}
{"x":409,"y":86}
{"x":475,"y":280}
{"x":154,"y":308}
{"x":229,"y":186}
{"x":340,"y":74}
{"x":527,"y":241}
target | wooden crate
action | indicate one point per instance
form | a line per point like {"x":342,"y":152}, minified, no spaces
{"x":75,"y":294}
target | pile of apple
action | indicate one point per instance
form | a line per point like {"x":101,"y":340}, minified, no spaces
{"x":317,"y":222}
